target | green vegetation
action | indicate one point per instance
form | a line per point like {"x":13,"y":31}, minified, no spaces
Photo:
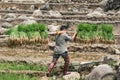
{"x":93,"y":33}
{"x":17,"y":66}
{"x":28,"y":34}
{"x":22,"y":66}
{"x":9,"y":76}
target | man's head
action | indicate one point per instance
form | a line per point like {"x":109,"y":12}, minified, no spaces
{"x":63,"y":27}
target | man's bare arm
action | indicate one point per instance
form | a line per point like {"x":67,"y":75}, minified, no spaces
{"x":74,"y":35}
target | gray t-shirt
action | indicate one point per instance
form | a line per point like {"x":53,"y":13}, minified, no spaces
{"x":61,"y":43}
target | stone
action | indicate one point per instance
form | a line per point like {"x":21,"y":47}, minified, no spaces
{"x":10,"y":15}
{"x":103,"y":2}
{"x":54,"y":13}
{"x":0,"y":16}
{"x":2,"y":30}
{"x":111,"y":58}
{"x":117,"y":51}
{"x":99,"y":72}
{"x":72,"y":76}
{"x":53,"y":27}
{"x":26,"y":22}
{"x":44,"y":78}
{"x":118,"y":12}
{"x":22,"y":17}
{"x":96,"y":13}
{"x":111,"y":13}
{"x":112,"y":5}
{"x":45,"y":7}
{"x":37,"y":13}
{"x":6,"y":25}
{"x":32,"y":7}
{"x":14,"y":8}
{"x":30,"y":18}
{"x":39,"y":1}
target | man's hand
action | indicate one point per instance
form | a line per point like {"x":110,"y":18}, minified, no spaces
{"x":74,"y":35}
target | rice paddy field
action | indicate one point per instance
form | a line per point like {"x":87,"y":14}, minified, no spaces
{"x":26,"y":49}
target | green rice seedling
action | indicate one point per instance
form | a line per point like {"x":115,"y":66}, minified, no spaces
{"x":107,"y":28}
{"x":81,"y":34}
{"x":44,"y":34}
{"x":30,"y":35}
{"x":111,"y":36}
{"x":90,"y":33}
{"x":42,"y":27}
{"x":23,"y":37}
{"x":37,"y":36}
{"x":14,"y":35}
{"x":36,"y":26}
{"x":87,"y":27}
{"x":94,"y":27}
{"x":80,"y":27}
{"x":22,"y":28}
{"x":22,"y":66}
{"x":9,"y":31}
{"x":10,"y":76}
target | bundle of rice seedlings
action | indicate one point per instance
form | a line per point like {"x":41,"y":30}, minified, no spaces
{"x":91,"y":33}
{"x":23,"y":38}
{"x":107,"y":34}
{"x":28,"y":34}
{"x":37,"y":36}
{"x":14,"y":37}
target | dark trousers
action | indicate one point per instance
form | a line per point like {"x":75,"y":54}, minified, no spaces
{"x":54,"y":61}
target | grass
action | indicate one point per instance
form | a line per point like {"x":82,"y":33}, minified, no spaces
{"x":22,"y":66}
{"x":9,"y":76}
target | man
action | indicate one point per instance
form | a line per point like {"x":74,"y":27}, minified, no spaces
{"x":61,"y":49}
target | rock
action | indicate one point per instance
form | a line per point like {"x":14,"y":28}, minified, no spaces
{"x":2,"y":30}
{"x":39,"y":1}
{"x":111,"y":58}
{"x":37,"y":13}
{"x":31,"y":18}
{"x":53,"y":27}
{"x":99,"y":72}
{"x":10,"y":16}
{"x":22,"y":17}
{"x":112,"y":5}
{"x":72,"y":76}
{"x":45,"y":7}
{"x":32,"y":7}
{"x":54,"y":13}
{"x":26,"y":22}
{"x":103,"y":2}
{"x":117,"y":51}
{"x":44,"y":78}
{"x":97,"y":13}
{"x":14,"y":8}
{"x":111,"y":12}
{"x":0,"y":17}
{"x":6,"y":25}
{"x":118,"y":12}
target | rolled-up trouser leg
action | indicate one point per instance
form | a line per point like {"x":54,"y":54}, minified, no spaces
{"x":51,"y":66}
{"x":66,"y":65}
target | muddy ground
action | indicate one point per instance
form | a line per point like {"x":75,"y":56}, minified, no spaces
{"x":45,"y":57}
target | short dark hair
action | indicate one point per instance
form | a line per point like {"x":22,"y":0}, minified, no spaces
{"x":63,"y":27}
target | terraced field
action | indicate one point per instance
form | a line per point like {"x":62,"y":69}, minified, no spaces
{"x":34,"y":56}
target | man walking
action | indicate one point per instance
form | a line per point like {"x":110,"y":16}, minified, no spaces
{"x":61,"y":49}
